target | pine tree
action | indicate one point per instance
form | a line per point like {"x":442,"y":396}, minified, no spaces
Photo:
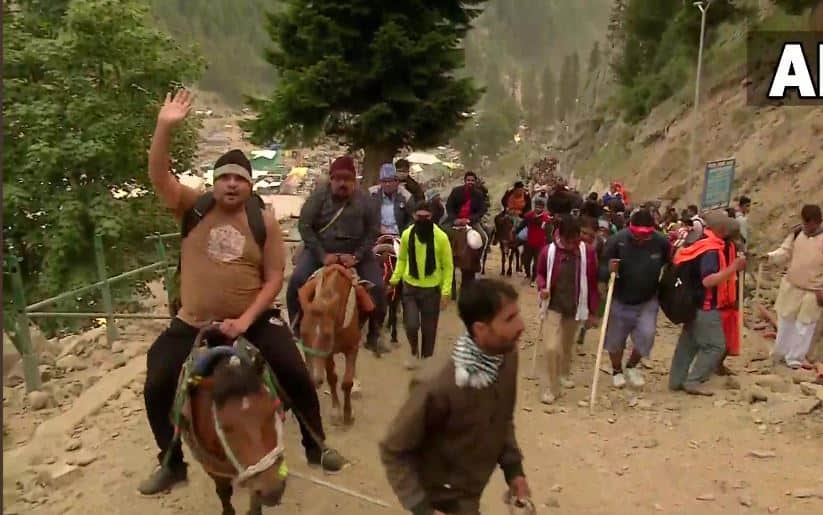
{"x":532,"y":107}
{"x":548,"y":97}
{"x":377,"y":75}
{"x":594,"y":58}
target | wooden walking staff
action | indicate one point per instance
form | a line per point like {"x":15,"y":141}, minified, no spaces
{"x":544,"y":306}
{"x":602,"y":341}
{"x":740,"y":293}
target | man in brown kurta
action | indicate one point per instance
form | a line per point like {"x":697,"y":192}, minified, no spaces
{"x":457,"y":424}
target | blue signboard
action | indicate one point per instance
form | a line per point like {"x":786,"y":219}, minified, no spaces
{"x":718,"y":182}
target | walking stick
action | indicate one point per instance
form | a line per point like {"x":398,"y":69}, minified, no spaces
{"x":740,"y":294}
{"x":602,"y":341}
{"x":543,"y":307}
{"x":757,"y":281}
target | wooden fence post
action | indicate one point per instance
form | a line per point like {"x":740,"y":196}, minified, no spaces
{"x":108,"y":303}
{"x":22,"y":331}
{"x":168,"y":276}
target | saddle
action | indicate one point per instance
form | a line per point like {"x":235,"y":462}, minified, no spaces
{"x":361,"y":288}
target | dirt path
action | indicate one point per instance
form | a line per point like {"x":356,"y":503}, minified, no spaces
{"x":642,"y":452}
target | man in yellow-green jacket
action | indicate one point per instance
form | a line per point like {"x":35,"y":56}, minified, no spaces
{"x":426,"y":269}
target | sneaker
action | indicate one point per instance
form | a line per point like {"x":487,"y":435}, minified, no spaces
{"x":567,"y":383}
{"x":618,"y":380}
{"x":548,"y":397}
{"x":635,"y":377}
{"x":162,"y":480}
{"x":377,"y":346}
{"x":411,"y":364}
{"x":328,"y":459}
{"x":356,"y":389}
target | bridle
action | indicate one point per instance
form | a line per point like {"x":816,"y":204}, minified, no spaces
{"x":266,"y":462}
{"x":269,"y":459}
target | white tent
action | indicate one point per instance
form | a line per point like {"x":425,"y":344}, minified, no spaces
{"x":422,"y":158}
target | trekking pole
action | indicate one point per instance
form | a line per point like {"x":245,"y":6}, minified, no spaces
{"x":543,"y":308}
{"x":602,"y":342}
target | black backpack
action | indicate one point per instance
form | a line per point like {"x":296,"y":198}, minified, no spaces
{"x":254,"y":213}
{"x":680,"y":292}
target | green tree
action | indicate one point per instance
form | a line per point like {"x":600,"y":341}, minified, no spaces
{"x":377,"y":75}
{"x":81,"y":88}
{"x":594,"y":58}
{"x":548,"y":97}
{"x":565,"y":92}
{"x":531,"y":97}
{"x":796,"y":6}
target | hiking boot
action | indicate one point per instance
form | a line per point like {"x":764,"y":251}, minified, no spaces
{"x":162,"y":480}
{"x":635,"y":377}
{"x":328,"y":459}
{"x":377,"y":346}
{"x":697,"y":389}
{"x":618,"y":380}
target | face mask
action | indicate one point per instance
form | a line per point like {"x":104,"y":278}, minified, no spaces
{"x":424,"y":226}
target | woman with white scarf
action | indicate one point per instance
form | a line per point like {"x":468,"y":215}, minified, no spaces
{"x":567,"y":282}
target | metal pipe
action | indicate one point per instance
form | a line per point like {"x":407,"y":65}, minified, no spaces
{"x":704,"y":8}
{"x":122,"y":316}
{"x":84,"y":289}
{"x":162,"y":236}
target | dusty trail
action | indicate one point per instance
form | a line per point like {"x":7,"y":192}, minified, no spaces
{"x":642,"y":452}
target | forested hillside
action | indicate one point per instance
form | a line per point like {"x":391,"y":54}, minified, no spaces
{"x":231,"y":35}
{"x":514,"y":41}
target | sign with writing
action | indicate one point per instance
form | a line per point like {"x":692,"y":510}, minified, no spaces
{"x":718,"y":182}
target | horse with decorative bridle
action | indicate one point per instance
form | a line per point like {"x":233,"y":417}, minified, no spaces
{"x":228,"y":412}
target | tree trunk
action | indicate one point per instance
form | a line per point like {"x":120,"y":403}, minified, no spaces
{"x":375,"y":156}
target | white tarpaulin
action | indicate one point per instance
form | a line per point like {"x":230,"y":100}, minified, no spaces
{"x":284,"y":206}
{"x":266,"y":154}
{"x":422,"y":158}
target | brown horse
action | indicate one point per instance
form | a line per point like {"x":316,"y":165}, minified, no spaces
{"x":386,"y":250}
{"x":232,"y":420}
{"x":326,"y":329}
{"x":505,"y":236}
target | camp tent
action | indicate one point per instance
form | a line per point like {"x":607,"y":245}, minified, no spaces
{"x":422,"y":158}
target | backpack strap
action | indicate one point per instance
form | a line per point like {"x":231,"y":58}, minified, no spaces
{"x":192,"y":217}
{"x":254,"y":213}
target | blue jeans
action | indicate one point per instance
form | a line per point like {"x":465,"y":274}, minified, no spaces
{"x":368,"y":270}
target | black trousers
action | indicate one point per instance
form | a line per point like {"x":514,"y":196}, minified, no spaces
{"x":421,"y":312}
{"x":530,"y":256}
{"x":274,"y":340}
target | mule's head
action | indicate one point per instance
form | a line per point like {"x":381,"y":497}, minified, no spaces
{"x":317,"y":331}
{"x":251,"y":421}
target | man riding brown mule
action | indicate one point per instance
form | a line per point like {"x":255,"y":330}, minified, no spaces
{"x":465,"y":209}
{"x":229,"y":414}
{"x":331,"y":302}
{"x":228,"y":272}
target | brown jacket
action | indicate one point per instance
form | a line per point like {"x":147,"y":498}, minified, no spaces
{"x":445,"y":442}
